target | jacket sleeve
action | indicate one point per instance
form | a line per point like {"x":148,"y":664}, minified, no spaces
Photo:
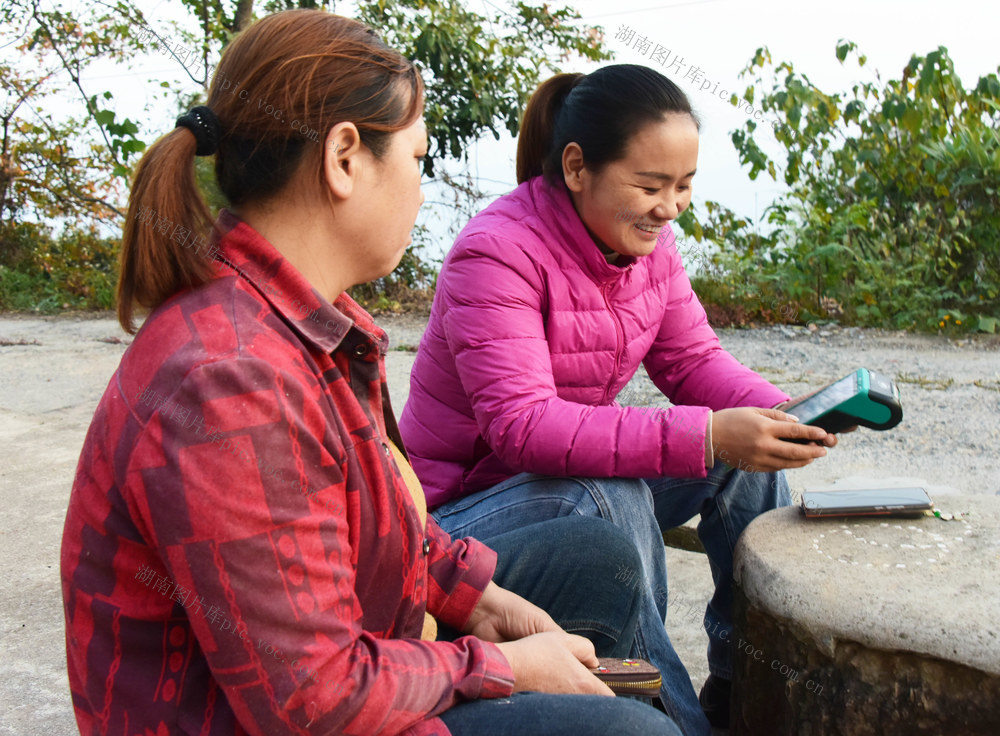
{"x":494,"y":305}
{"x":686,"y":361}
{"x":273,"y":566}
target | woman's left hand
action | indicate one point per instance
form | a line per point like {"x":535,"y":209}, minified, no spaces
{"x":505,"y":616}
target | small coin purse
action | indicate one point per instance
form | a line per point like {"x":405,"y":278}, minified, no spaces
{"x":629,"y":676}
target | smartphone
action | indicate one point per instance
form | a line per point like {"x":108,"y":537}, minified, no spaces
{"x":866,"y":502}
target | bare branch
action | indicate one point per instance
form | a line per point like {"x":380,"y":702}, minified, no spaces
{"x":73,"y":71}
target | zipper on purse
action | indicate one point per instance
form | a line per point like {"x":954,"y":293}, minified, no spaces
{"x":658,"y":682}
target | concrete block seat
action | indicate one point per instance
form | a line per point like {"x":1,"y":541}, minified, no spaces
{"x":864,"y":626}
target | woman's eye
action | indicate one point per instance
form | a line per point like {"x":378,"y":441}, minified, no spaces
{"x":650,"y":190}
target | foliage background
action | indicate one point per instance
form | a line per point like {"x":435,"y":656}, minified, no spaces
{"x":893,"y":212}
{"x":62,"y":177}
{"x":890,"y":217}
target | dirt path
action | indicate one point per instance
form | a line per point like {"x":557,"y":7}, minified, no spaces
{"x":53,"y":371}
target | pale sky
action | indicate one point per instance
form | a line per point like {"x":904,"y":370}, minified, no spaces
{"x":718,"y":36}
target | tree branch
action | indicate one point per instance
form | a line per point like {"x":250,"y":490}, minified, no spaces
{"x":243,"y":15}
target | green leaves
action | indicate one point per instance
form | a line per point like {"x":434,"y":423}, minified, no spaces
{"x":845,"y":47}
{"x":894,"y":202}
{"x":911,"y":119}
{"x":480,"y":63}
{"x":479,"y":70}
{"x":122,"y":135}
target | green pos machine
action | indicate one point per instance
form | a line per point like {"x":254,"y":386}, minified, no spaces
{"x":863,"y":398}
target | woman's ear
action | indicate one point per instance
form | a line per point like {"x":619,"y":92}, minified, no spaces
{"x":573,"y":167}
{"x":342,"y":151}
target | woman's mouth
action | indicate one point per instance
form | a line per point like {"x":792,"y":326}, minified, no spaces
{"x":648,"y":228}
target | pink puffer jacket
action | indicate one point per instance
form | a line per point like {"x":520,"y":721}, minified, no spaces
{"x":532,"y":335}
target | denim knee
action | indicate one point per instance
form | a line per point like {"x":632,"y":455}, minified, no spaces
{"x":615,"y":569}
{"x":587,"y":574}
{"x":557,"y":715}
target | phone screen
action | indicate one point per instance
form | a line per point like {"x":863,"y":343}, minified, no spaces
{"x":814,"y":406}
{"x":868,"y":501}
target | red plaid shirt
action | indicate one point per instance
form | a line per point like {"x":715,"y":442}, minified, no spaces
{"x":241,"y":554}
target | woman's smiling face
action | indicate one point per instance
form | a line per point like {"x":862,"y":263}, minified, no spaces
{"x":627,"y":203}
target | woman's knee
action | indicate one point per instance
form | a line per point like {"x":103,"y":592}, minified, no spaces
{"x":619,"y":499}
{"x":610,"y":571}
{"x":645,"y":719}
{"x":605,"y":553}
{"x":628,"y":716}
{"x":584,"y":571}
{"x":558,"y":715}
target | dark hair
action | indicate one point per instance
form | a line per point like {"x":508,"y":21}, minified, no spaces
{"x":599,"y":111}
{"x":278,"y":89}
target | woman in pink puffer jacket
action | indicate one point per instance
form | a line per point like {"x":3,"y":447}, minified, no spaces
{"x":545,"y":307}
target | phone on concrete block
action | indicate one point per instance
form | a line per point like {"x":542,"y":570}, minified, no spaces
{"x":866,"y":502}
{"x":863,"y":398}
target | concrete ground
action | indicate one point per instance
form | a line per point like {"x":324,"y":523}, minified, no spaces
{"x":54,"y":370}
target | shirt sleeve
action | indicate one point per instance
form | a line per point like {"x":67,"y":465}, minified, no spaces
{"x":250,"y":513}
{"x":495,"y":329}
{"x":457,"y":575}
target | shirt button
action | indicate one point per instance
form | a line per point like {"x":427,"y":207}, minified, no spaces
{"x":386,"y":448}
{"x":361,"y":350}
{"x":427,"y":546}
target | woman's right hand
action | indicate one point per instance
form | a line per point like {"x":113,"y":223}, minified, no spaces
{"x":554,"y":662}
{"x":750,"y":438}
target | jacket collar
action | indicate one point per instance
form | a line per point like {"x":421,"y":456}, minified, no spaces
{"x":326,"y":326}
{"x":557,"y":211}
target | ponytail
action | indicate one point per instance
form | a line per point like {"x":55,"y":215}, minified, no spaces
{"x":600,"y":112}
{"x":167,"y":230}
{"x":534,"y":142}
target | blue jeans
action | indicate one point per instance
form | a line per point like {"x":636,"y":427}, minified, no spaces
{"x":557,"y":715}
{"x":579,"y":587}
{"x":727,"y":500}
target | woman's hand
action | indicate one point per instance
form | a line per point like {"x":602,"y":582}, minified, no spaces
{"x":505,"y":616}
{"x":750,"y":438}
{"x":832,"y":438}
{"x":543,"y":656}
{"x":554,"y":662}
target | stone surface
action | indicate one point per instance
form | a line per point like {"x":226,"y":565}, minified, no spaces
{"x":869,"y":626}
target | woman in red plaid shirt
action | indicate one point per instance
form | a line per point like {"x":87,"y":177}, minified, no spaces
{"x":246,"y":548}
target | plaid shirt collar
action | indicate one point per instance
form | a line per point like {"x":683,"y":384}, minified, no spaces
{"x":320,"y":323}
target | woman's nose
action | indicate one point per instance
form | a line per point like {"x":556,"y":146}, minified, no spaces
{"x":667,"y":209}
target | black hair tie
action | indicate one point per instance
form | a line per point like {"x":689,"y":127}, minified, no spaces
{"x":205,"y":125}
